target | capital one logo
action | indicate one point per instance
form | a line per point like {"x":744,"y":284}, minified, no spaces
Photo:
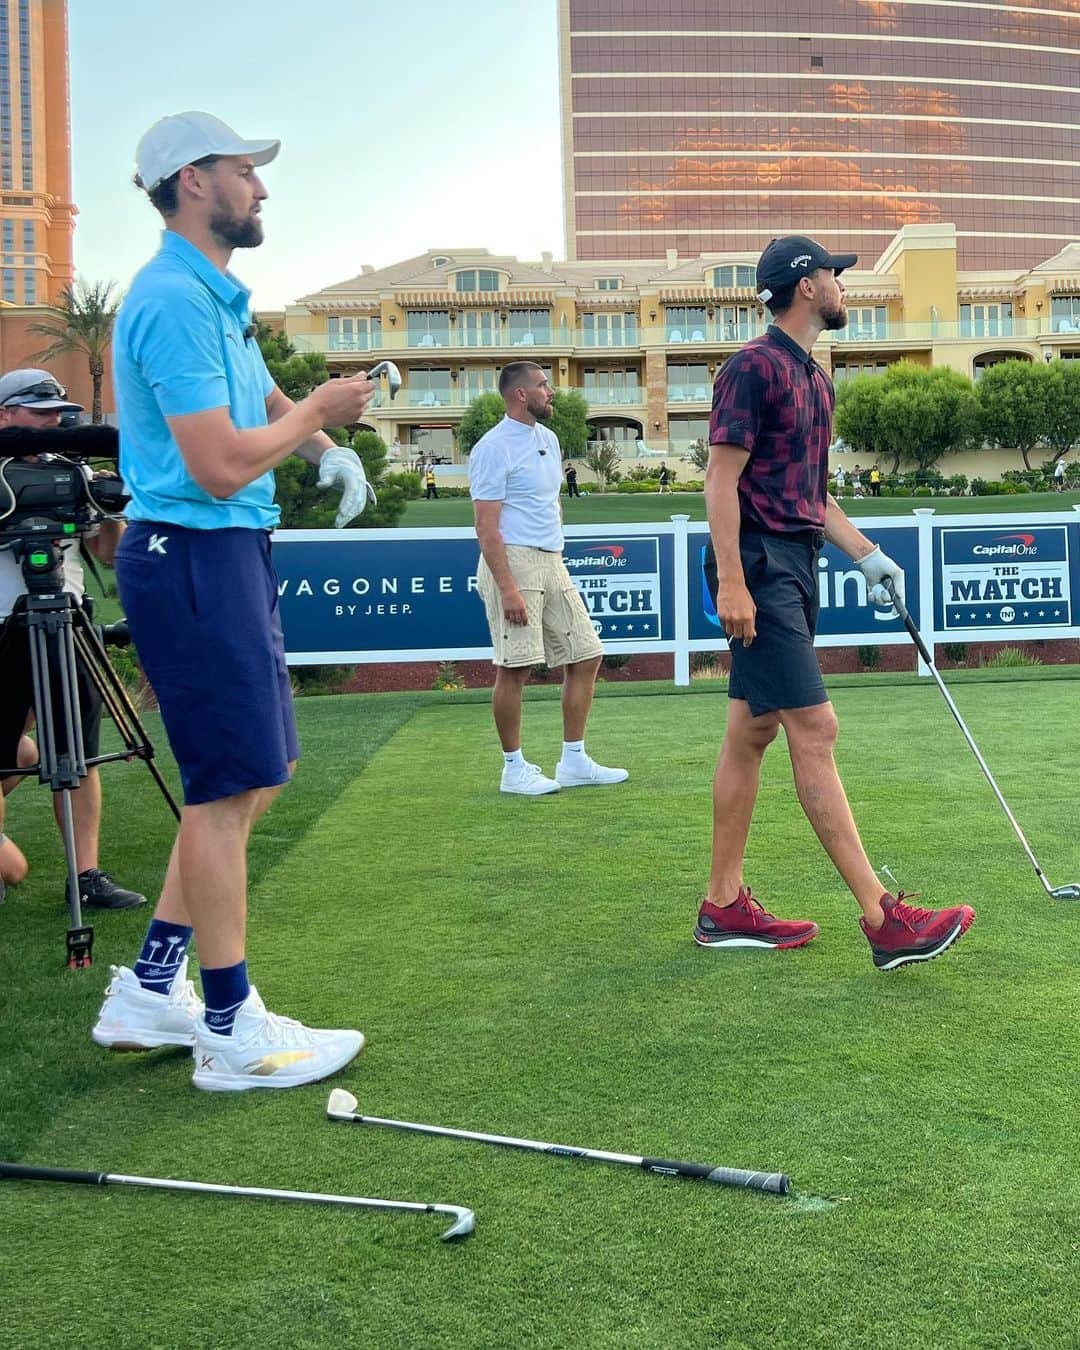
{"x":607,"y":556}
{"x":1007,"y":546}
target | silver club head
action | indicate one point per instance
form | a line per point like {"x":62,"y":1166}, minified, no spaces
{"x":1069,"y":892}
{"x":342,"y":1105}
{"x":465,"y":1221}
{"x":393,"y":375}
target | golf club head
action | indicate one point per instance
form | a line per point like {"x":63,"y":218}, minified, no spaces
{"x":1069,"y":892}
{"x":342,"y":1105}
{"x":464,"y":1225}
{"x":393,"y":375}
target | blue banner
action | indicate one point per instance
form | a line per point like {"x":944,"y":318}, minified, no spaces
{"x":1003,"y":577}
{"x":845,"y":611}
{"x":626,"y":583}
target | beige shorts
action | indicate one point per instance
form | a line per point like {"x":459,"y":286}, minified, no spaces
{"x":559,"y":631}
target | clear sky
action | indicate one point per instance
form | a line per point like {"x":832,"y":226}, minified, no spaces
{"x":404,"y":126}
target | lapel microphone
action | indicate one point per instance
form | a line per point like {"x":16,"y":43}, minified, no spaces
{"x":250,"y":331}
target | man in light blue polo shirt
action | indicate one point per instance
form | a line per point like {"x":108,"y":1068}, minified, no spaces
{"x":202,"y":426}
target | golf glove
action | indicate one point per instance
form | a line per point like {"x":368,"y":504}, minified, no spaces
{"x":876,"y":567}
{"x":344,"y":469}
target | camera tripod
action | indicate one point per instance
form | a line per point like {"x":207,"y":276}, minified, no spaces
{"x":60,"y":632}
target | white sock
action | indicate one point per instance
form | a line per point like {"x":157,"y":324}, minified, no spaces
{"x":514,"y":759}
{"x":572,"y":748}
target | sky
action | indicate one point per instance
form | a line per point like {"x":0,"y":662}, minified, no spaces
{"x":404,"y":127}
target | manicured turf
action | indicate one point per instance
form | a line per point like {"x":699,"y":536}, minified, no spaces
{"x":525,"y":966}
{"x":621,"y":507}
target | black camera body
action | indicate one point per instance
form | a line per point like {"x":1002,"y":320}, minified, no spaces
{"x":47,"y":488}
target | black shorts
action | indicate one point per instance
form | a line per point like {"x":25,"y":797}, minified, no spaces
{"x":17,"y":698}
{"x":780,"y":668}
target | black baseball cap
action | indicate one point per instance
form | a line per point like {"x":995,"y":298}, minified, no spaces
{"x":794,"y":256}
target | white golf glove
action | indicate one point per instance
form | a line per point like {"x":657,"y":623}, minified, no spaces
{"x":344,"y":469}
{"x":876,"y":567}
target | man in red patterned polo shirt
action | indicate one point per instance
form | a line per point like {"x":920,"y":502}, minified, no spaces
{"x":770,"y":513}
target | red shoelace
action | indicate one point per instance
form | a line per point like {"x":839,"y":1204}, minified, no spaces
{"x":910,"y":914}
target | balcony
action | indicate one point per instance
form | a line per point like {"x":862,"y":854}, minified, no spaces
{"x":712,"y":332}
{"x":689,"y":393}
{"x":628,"y":397}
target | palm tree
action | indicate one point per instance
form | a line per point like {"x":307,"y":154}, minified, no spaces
{"x":85,"y":326}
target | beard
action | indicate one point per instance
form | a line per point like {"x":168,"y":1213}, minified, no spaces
{"x":834,"y":319}
{"x":540,"y":408}
{"x":236,"y":231}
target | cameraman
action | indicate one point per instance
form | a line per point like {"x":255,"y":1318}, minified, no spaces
{"x":35,"y":401}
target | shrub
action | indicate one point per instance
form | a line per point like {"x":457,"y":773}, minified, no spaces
{"x":955,"y":651}
{"x":409,"y":483}
{"x":958,"y":484}
{"x":617,"y":660}
{"x":978,"y":487}
{"x":924,"y":491}
{"x":869,"y":657}
{"x":1007,"y":657}
{"x":307,"y":680}
{"x":540,"y":671}
{"x":448,"y":677}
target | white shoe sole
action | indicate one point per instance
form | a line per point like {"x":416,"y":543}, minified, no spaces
{"x":531,"y":792}
{"x":128,"y":1038}
{"x":591,"y":782}
{"x":241,"y":1082}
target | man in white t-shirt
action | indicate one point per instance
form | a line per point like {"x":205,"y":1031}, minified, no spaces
{"x":34,"y":400}
{"x":534,"y":611}
{"x":1059,"y":475}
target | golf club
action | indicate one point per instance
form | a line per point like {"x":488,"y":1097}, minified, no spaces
{"x":1068,"y":892}
{"x":393,"y":375}
{"x":342,"y":1106}
{"x":464,"y":1219}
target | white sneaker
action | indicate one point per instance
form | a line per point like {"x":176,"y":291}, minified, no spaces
{"x":134,"y":1018}
{"x":267,"y":1051}
{"x":588,"y":774}
{"x":528,"y":780}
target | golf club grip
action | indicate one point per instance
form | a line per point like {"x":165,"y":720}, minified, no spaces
{"x":26,"y":1172}
{"x":909,"y":623}
{"x":778,"y":1183}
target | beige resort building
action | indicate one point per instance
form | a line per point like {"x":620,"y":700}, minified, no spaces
{"x":642,"y":341}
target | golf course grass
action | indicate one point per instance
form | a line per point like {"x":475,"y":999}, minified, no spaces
{"x":525,"y":967}
{"x":617,"y":508}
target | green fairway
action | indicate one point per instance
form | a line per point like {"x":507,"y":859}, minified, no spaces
{"x":623,"y":507}
{"x":525,"y":966}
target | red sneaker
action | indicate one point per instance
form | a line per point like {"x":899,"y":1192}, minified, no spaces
{"x":744,"y":923}
{"x":911,"y":934}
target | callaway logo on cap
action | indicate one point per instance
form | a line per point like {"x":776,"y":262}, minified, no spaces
{"x":786,"y":260}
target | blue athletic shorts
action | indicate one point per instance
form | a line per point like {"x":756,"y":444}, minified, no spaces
{"x":203,"y":610}
{"x":780,"y":668}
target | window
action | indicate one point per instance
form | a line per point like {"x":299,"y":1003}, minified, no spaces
{"x":9,"y":285}
{"x":28,"y":236}
{"x":477,"y":280}
{"x":611,"y":386}
{"x":688,"y":381}
{"x":530,"y":327}
{"x":476,"y":380}
{"x":846,"y":370}
{"x":867,"y":321}
{"x":352,"y":335}
{"x":737,"y":323}
{"x":439,"y":262}
{"x":1065,"y":313}
{"x":429,"y":387}
{"x":29,"y":287}
{"x":992,"y":320}
{"x":726,"y":277}
{"x":609,"y":330}
{"x":428,"y":327}
{"x":685,"y":323}
{"x":609,"y":283}
{"x":684,"y":431}
{"x":476,"y":328}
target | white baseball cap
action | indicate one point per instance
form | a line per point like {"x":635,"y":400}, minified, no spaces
{"x":35,"y":389}
{"x":185,"y":137}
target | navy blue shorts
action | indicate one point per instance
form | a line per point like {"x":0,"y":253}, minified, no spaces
{"x":780,"y":668}
{"x":203,"y":611}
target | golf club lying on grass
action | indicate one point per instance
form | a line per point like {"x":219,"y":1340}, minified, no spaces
{"x":1067,"y":892}
{"x":342,"y":1106}
{"x":464,"y":1219}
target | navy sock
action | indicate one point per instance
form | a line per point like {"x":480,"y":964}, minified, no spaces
{"x":162,"y":955}
{"x":224,"y":990}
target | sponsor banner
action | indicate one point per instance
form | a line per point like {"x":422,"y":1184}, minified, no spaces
{"x":368,"y":595}
{"x":626,"y":584}
{"x":1003,"y":578}
{"x":844,"y":610}
{"x":359,"y":595}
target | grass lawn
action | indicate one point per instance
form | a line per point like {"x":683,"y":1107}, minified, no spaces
{"x":619,"y":508}
{"x":525,"y":967}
